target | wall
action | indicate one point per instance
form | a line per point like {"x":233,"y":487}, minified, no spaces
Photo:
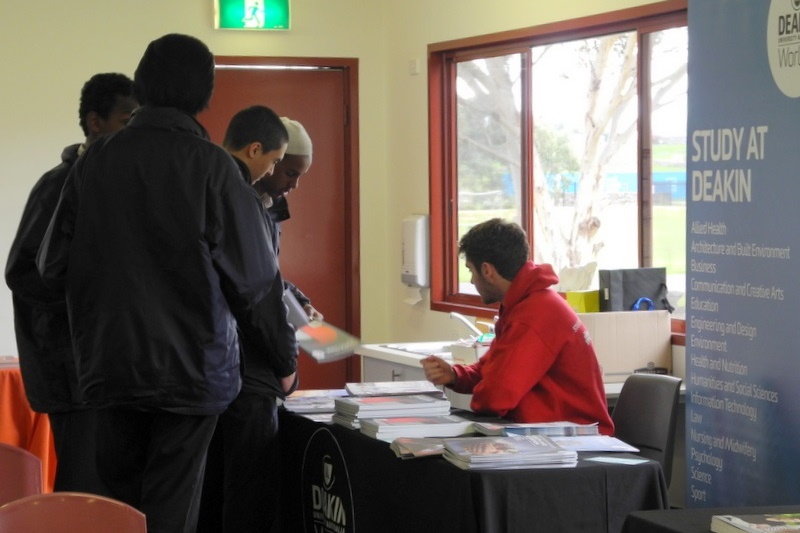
{"x":49,"y":49}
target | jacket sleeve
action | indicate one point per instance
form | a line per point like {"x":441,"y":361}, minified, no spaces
{"x":239,"y":241}
{"x":53,"y":253}
{"x":518,"y":361}
{"x":269,"y":317}
{"x":22,"y":274}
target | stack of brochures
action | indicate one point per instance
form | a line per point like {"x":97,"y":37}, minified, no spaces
{"x":416,"y":447}
{"x":350,"y":409}
{"x":515,"y":451}
{"x":313,"y":400}
{"x":388,"y":429}
{"x":560,"y":428}
{"x":755,"y":523}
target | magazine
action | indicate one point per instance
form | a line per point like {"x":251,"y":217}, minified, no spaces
{"x":322,"y":341}
{"x":415,"y":447}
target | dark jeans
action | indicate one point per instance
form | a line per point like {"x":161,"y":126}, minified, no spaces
{"x":242,"y":485}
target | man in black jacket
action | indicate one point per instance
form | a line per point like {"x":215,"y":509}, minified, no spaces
{"x":162,"y":249}
{"x":40,"y":313}
{"x":241,"y":488}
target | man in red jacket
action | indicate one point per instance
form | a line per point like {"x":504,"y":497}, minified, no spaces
{"x":541,"y":366}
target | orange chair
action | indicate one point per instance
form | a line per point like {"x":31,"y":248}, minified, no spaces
{"x":70,"y":512}
{"x":21,"y":473}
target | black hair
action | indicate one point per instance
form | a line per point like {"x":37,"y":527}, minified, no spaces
{"x":176,"y":71}
{"x":497,"y":242}
{"x":101,"y":93}
{"x":257,"y":123}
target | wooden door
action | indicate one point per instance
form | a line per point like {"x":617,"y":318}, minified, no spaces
{"x":319,"y":244}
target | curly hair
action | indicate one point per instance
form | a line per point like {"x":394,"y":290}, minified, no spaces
{"x":497,"y":242}
{"x":100,"y":94}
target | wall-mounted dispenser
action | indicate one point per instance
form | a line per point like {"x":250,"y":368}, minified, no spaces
{"x":414,"y":271}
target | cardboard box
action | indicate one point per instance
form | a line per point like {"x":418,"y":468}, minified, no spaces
{"x":587,"y":301}
{"x":625,"y":341}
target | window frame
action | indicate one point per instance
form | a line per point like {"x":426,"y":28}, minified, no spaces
{"x":443,"y":190}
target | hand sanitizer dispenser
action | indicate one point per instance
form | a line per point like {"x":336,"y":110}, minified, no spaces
{"x":414,"y":271}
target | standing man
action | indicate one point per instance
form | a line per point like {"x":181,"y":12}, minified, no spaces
{"x":40,"y":313}
{"x":242,"y":487}
{"x":162,"y":248}
{"x":286,"y":178}
{"x":541,"y":365}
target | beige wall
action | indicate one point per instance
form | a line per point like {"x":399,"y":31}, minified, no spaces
{"x":49,"y":48}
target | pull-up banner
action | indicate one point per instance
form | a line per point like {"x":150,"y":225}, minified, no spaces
{"x":743,"y":253}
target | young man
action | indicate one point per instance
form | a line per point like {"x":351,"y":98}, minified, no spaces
{"x":162,"y":249}
{"x":40,"y":313}
{"x":541,"y":366}
{"x":241,"y":487}
{"x":286,"y":178}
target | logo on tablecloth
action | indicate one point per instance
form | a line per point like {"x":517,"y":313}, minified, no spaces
{"x":327,"y":495}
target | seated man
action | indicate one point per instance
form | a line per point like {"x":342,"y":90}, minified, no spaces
{"x":541,"y":366}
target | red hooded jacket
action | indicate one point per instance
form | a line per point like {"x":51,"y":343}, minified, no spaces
{"x":541,"y":366}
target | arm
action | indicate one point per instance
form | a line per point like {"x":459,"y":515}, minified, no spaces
{"x":303,"y":300}
{"x":22,"y":274}
{"x":519,"y":360}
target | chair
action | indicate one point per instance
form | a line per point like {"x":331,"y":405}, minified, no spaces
{"x":645,"y":415}
{"x":21,"y":473}
{"x":70,"y":512}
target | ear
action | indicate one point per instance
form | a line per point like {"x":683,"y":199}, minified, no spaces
{"x":253,"y":149}
{"x":488,"y":271}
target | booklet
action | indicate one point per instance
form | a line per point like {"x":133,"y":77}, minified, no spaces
{"x":415,"y":447}
{"x":322,"y":341}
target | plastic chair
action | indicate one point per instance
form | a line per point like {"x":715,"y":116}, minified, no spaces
{"x":70,"y":512}
{"x":645,"y":415}
{"x":21,"y":473}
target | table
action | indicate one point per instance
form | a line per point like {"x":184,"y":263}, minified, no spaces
{"x":20,"y":426}
{"x":342,"y":480}
{"x":691,"y":520}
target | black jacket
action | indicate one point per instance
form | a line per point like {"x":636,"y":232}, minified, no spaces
{"x":159,"y":244}
{"x":262,"y":355}
{"x":40,"y":313}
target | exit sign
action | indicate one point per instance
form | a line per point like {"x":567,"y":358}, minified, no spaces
{"x":251,"y":14}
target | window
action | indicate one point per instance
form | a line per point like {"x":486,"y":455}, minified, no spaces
{"x":575,"y":130}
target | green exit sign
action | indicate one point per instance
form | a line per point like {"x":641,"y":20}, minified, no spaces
{"x":251,"y":14}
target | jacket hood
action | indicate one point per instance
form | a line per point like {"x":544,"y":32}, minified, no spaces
{"x":530,"y":278}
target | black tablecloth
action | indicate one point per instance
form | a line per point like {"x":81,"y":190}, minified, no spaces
{"x":337,"y":478}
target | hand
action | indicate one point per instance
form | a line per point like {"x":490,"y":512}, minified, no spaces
{"x":438,"y":371}
{"x":312,"y":313}
{"x":288,"y":383}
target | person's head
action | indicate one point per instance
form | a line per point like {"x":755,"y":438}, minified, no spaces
{"x":494,"y":251}
{"x":296,"y":162}
{"x":106,"y":104}
{"x":176,"y":71}
{"x":257,"y":137}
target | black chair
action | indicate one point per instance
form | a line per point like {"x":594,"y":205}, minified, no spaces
{"x":645,"y":415}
